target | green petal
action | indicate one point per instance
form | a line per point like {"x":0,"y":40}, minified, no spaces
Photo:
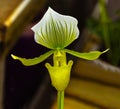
{"x":88,"y":56}
{"x":36,"y":60}
{"x":55,"y":30}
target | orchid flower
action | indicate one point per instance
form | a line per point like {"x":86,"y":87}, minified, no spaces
{"x":56,"y":31}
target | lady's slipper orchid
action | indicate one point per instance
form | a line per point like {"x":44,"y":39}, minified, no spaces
{"x":56,"y":31}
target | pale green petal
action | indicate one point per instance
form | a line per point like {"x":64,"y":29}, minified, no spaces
{"x":34,"y":61}
{"x":88,"y":56}
{"x":55,"y":30}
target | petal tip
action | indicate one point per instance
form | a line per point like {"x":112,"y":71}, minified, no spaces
{"x":13,"y":56}
{"x":106,"y":50}
{"x":49,"y":8}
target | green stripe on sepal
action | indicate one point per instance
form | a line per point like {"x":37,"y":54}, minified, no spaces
{"x":34,"y":61}
{"x":88,"y":56}
{"x":56,"y":30}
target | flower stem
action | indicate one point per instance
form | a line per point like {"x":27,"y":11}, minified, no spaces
{"x":60,"y":99}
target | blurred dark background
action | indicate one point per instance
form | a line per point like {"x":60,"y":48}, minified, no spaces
{"x":22,"y":83}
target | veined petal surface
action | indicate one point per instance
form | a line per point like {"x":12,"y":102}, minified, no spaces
{"x":56,"y":31}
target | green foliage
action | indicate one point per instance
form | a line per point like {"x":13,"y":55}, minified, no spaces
{"x":114,"y":36}
{"x":109,"y":31}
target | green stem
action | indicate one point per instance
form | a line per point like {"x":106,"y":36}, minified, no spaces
{"x":105,"y":20}
{"x":60,"y":99}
